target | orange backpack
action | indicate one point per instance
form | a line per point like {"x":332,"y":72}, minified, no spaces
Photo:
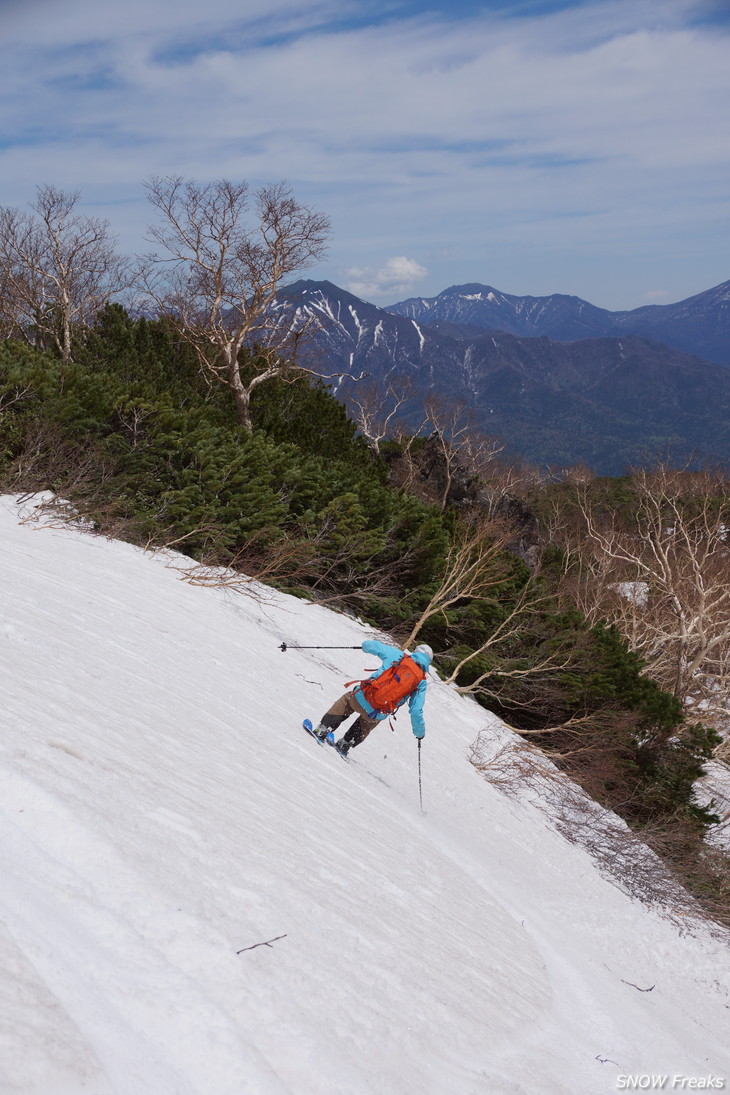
{"x":387,"y":692}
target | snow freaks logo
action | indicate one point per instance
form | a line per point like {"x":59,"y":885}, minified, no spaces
{"x":670,"y":1083}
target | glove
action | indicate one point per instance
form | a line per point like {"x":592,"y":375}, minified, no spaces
{"x":420,"y":733}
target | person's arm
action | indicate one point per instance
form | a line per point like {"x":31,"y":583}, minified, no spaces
{"x":389,"y":655}
{"x":415,"y":707}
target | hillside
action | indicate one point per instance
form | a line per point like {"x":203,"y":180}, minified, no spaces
{"x":162,"y":811}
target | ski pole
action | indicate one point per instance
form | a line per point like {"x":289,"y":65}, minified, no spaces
{"x":420,"y":788}
{"x":288,"y":646}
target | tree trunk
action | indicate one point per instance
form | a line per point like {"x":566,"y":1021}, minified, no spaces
{"x":241,"y":394}
{"x":66,"y":346}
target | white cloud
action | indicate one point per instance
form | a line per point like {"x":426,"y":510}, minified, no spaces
{"x":397,"y":275}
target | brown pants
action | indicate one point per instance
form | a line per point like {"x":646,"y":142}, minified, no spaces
{"x":342,"y":709}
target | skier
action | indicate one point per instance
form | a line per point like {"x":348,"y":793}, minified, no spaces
{"x":401,"y":677}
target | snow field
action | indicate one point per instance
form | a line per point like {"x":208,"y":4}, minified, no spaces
{"x":162,"y":809}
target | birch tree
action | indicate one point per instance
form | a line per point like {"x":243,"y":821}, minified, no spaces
{"x":459,"y":444}
{"x":478,"y":567}
{"x":375,"y":408}
{"x":663,"y":579}
{"x":57,"y":270}
{"x":222,"y":261}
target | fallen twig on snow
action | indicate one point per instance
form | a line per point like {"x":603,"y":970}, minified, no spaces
{"x":265,"y":944}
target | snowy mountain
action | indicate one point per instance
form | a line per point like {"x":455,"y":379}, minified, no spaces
{"x":197,"y":899}
{"x":560,"y":317}
{"x":606,"y":401}
{"x":699,"y":325}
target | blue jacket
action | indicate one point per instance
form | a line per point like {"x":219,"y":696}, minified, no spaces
{"x":389,"y":655}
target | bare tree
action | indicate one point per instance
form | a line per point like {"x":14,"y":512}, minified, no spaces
{"x":375,"y":408}
{"x":451,"y":463}
{"x":454,"y":437}
{"x":57,"y":270}
{"x":663,"y":579}
{"x":478,"y":566}
{"x":257,"y":563}
{"x":221,"y":267}
{"x":495,"y":646}
{"x":475,"y":566}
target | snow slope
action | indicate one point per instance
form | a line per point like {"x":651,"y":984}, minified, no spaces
{"x":162,"y":810}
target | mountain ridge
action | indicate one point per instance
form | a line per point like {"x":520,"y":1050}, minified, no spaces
{"x":699,"y":325}
{"x":605,"y":401}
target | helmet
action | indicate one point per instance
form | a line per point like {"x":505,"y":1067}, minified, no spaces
{"x":424,"y":648}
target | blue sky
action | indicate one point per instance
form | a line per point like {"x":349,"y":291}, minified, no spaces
{"x":537,"y":146}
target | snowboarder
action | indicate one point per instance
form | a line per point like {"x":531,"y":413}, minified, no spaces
{"x":401,"y":677}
